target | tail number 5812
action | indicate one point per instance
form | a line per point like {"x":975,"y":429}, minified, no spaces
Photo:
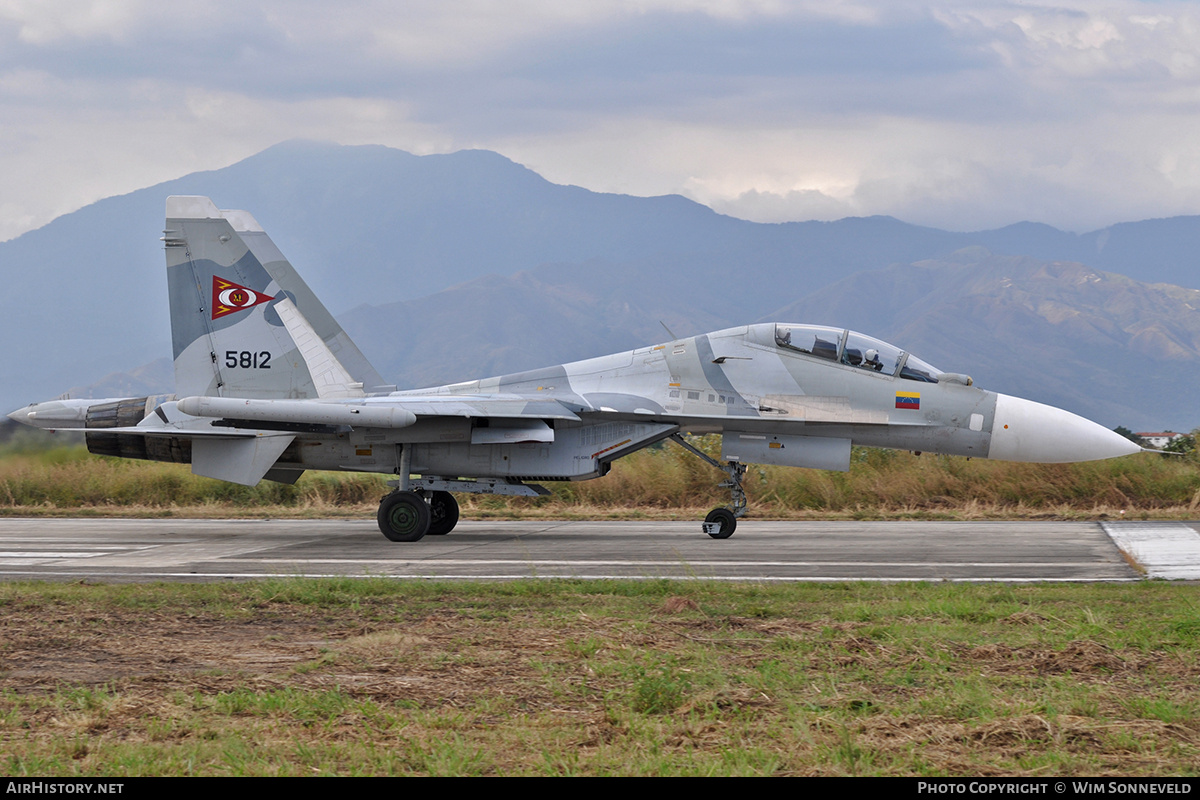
{"x":248,"y":359}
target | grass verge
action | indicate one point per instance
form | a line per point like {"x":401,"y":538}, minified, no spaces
{"x":352,"y":677}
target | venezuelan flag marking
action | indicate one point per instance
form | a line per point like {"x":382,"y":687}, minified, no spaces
{"x":908,"y":400}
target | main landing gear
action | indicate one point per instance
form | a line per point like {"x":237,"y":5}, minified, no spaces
{"x":407,"y":516}
{"x":721,"y":522}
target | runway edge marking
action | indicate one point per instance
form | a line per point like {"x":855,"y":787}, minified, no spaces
{"x":1166,"y":550}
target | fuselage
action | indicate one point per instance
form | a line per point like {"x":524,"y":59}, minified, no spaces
{"x":776,"y":399}
{"x":745,"y":379}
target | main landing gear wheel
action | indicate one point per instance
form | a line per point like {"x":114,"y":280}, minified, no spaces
{"x":403,"y":516}
{"x":443,"y":513}
{"x":720,"y":523}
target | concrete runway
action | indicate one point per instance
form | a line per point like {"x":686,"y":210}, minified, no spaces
{"x":114,"y":550}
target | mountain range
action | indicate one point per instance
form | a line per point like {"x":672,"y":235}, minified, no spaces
{"x":455,"y":266}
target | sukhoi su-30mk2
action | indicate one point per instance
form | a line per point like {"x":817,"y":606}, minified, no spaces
{"x":268,"y":385}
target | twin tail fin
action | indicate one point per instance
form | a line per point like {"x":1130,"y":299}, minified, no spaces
{"x":243,"y":322}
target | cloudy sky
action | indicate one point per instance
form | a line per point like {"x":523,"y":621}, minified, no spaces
{"x":957,"y":115}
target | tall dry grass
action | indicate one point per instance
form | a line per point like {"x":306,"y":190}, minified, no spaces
{"x":888,"y":481}
{"x":660,"y":481}
{"x":73,"y":479}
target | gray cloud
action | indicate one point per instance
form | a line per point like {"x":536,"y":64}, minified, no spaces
{"x":952,"y":114}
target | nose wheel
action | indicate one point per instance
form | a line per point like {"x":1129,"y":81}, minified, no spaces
{"x":721,"y":522}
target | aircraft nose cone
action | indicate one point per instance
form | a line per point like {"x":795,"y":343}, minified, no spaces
{"x":20,"y":415}
{"x":1029,"y":431}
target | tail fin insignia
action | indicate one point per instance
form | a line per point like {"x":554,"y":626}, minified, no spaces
{"x":228,"y":297}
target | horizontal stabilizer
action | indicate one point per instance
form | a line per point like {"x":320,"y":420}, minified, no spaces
{"x":243,"y":461}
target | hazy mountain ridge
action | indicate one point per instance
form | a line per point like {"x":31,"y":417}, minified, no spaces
{"x":1101,"y":344}
{"x":474,"y":265}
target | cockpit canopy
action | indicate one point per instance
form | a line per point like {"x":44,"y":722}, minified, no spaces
{"x":855,"y":350}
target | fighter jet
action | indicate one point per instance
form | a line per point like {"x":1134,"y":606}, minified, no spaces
{"x":268,"y":385}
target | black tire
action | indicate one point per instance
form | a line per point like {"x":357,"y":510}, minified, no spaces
{"x":403,"y":517}
{"x":723,"y":517}
{"x":443,"y":513}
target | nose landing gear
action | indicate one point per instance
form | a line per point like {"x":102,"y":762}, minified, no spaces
{"x":721,"y":522}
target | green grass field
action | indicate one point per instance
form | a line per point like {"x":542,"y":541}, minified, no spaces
{"x":358,"y":677}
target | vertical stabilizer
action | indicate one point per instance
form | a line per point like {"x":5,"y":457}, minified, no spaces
{"x":243,"y":322}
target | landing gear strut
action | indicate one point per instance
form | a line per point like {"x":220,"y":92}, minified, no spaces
{"x":721,"y":522}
